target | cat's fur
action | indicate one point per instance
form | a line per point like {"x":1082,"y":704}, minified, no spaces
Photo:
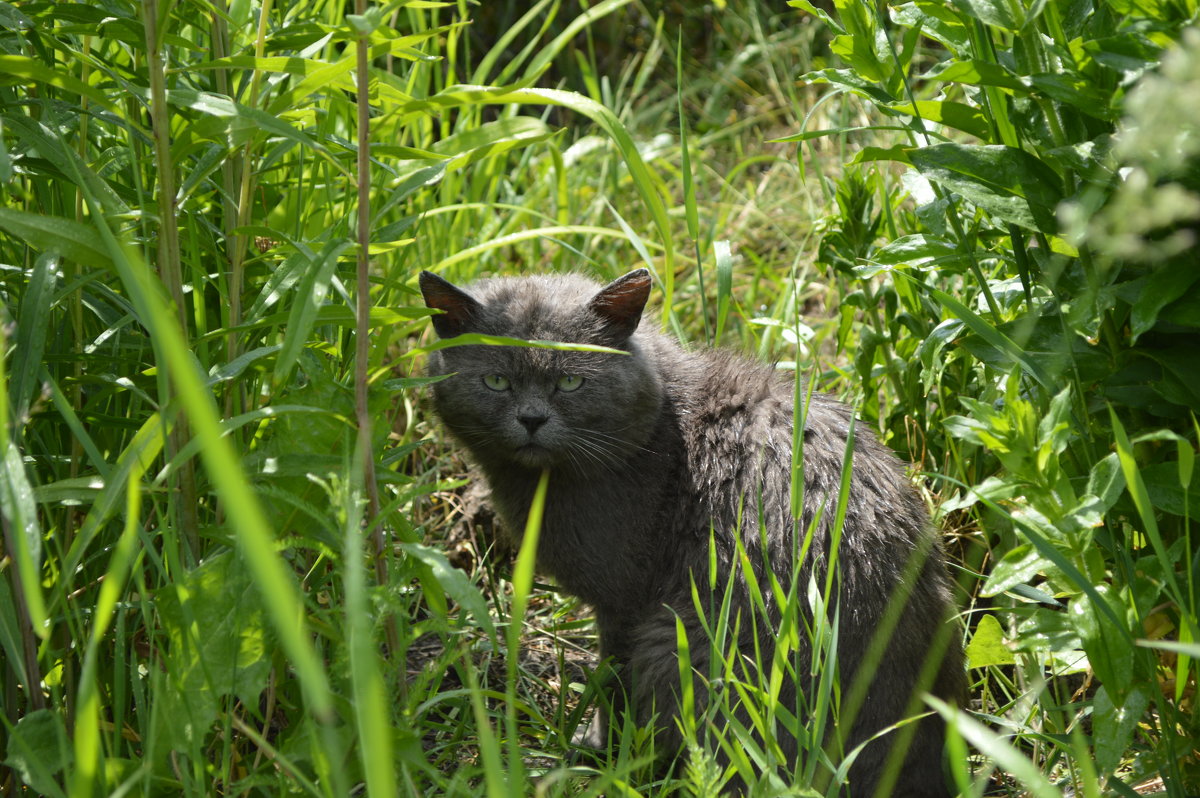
{"x":656,"y":449}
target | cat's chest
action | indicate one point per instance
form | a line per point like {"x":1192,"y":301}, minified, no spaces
{"x":598,"y":541}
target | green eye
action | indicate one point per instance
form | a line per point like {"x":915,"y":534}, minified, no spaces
{"x":569,"y":382}
{"x":497,"y":382}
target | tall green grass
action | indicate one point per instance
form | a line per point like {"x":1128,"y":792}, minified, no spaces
{"x":225,"y":509}
{"x":1019,"y":301}
{"x":187,"y":190}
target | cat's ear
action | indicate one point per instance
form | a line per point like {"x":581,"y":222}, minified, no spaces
{"x":620,"y":303}
{"x":459,"y":308}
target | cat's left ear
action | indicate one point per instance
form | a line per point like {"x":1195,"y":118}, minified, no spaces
{"x":458,"y":307}
{"x":620,"y":303}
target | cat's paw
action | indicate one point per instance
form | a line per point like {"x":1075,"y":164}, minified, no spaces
{"x":590,"y":734}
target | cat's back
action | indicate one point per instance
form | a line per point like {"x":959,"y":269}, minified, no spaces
{"x":734,"y":406}
{"x":737,"y":418}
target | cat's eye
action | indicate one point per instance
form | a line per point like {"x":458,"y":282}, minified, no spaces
{"x":497,"y":382}
{"x":569,"y":382}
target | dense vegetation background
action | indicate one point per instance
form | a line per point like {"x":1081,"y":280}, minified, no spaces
{"x":236,"y":554}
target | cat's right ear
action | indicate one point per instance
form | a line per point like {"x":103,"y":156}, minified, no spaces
{"x":458,"y":307}
{"x":620,"y":304}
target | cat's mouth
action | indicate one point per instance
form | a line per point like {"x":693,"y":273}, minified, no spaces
{"x":531,"y":454}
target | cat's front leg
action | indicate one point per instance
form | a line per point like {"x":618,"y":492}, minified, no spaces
{"x":610,"y":678}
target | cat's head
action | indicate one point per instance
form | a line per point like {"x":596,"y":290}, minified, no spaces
{"x":585,"y":412}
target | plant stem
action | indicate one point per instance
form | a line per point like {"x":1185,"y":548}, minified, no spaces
{"x":169,"y":268}
{"x":362,"y":341}
{"x":237,"y":249}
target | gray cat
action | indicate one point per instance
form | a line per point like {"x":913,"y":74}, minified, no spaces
{"x":652,"y":452}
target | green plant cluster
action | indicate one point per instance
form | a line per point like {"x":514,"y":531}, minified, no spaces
{"x":1027,"y":291}
{"x":198,"y":416}
{"x":225,"y":566}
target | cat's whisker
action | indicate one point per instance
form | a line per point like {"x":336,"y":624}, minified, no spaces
{"x":612,"y":443}
{"x":601,"y":447}
{"x":626,"y":443}
{"x":593,"y":453}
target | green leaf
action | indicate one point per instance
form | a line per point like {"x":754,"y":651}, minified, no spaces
{"x":1161,"y":288}
{"x":145,"y":445}
{"x":1175,"y":646}
{"x":235,"y":367}
{"x":1078,"y":92}
{"x":996,"y":748}
{"x":808,"y":135}
{"x":859,"y":52}
{"x":1136,"y":485}
{"x":371,"y":706}
{"x":993,"y":336}
{"x":71,"y":239}
{"x":1010,"y":16}
{"x":311,"y":291}
{"x":1049,"y":630}
{"x":1113,"y":726}
{"x":281,"y":280}
{"x":473,"y":339}
{"x":898,"y":153}
{"x":691,"y":215}
{"x":270,"y":412}
{"x":545,"y":55}
{"x":938,"y":20}
{"x":1160,"y":10}
{"x":38,"y":750}
{"x":19,"y":510}
{"x":1187,"y":461}
{"x":987,"y":645}
{"x":820,"y":13}
{"x":1054,"y":428}
{"x":967,"y":118}
{"x":864,"y":46}
{"x":12,"y":644}
{"x":1018,"y":566}
{"x":316,"y":77}
{"x":223,"y":108}
{"x":974,"y":72}
{"x":1004,"y":181}
{"x":75,"y":492}
{"x":337,"y":315}
{"x":918,"y":251}
{"x":13,"y":20}
{"x":1164,"y":491}
{"x":33,"y":322}
{"x":1108,"y":646}
{"x":217,"y":646}
{"x":1131,"y":53}
{"x":490,"y":139}
{"x":455,"y":583}
{"x":67,"y":160}
{"x":1087,"y":514}
{"x":724,"y":257}
{"x":510,"y":128}
{"x":522,"y":582}
{"x":849,"y":80}
{"x":993,"y":488}
{"x":26,"y":69}
{"x":366,"y":23}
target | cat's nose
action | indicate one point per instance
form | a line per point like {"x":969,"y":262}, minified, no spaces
{"x":531,"y":421}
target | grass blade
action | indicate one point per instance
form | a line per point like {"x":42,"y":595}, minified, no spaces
{"x":32,"y":325}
